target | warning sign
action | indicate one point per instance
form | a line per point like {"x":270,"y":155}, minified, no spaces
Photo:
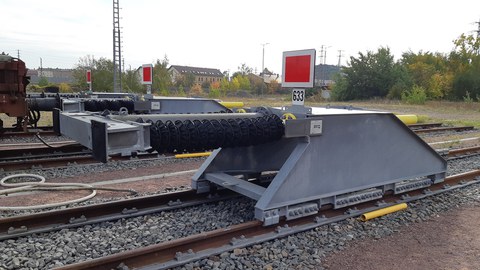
{"x":298,"y":68}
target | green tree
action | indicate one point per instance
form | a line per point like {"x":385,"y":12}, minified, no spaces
{"x":340,"y":87}
{"x":403,"y":81}
{"x":369,"y":75}
{"x":429,"y":71}
{"x":131,"y":81}
{"x":465,"y":60}
{"x":234,"y":84}
{"x":102,"y":73}
{"x":467,"y":82}
{"x":243,"y":70}
{"x":43,"y":81}
{"x":224,"y":86}
{"x":244,"y":82}
{"x":162,"y":79}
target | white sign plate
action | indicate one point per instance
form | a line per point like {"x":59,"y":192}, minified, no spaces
{"x":298,"y":97}
{"x":155,"y":105}
{"x":316,"y":127}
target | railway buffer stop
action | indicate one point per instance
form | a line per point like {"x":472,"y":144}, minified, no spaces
{"x":338,"y":156}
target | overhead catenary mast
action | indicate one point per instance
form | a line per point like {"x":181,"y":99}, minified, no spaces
{"x":478,"y":29}
{"x":117,"y":50}
{"x":340,"y":57}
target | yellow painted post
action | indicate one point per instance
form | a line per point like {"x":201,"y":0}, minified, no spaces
{"x":382,"y":212}
{"x":408,"y":119}
{"x":192,"y":155}
{"x":232,"y":104}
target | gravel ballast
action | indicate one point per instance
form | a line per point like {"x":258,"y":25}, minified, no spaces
{"x":300,"y":251}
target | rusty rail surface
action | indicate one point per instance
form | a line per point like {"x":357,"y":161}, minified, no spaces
{"x":464,"y":151}
{"x":425,"y":125}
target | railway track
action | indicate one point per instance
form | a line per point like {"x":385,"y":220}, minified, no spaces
{"x":463,"y":152}
{"x":424,"y":125}
{"x":14,"y":132}
{"x":68,"y":154}
{"x":194,"y":247}
{"x":30,"y":149}
{"x":18,"y":226}
{"x":66,"y":159}
{"x":14,"y":157}
{"x":442,"y":129}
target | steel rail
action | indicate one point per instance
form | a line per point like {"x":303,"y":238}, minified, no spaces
{"x":184,"y":250}
{"x":464,"y":151}
{"x":54,"y":161}
{"x":14,"y":132}
{"x":22,"y":150}
{"x":425,"y":125}
{"x":441,"y":129}
{"x":66,"y":159}
{"x":13,"y":227}
{"x":60,"y":159}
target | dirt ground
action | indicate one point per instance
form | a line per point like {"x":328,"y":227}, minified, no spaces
{"x":450,"y":241}
{"x":141,"y":186}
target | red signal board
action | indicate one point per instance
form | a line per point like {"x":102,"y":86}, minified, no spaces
{"x":89,"y":76}
{"x":298,"y":68}
{"x":147,"y":74}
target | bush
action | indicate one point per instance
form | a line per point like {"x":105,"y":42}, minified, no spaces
{"x":417,"y":95}
{"x":196,"y":90}
{"x":164,"y":93}
{"x":396,"y":91}
{"x":340,"y":90}
{"x":214,"y":93}
{"x":181,"y":91}
{"x":65,"y":88}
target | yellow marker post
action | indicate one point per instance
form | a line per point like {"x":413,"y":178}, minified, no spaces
{"x":408,"y":119}
{"x":232,"y":104}
{"x":382,"y":212}
{"x":193,"y":155}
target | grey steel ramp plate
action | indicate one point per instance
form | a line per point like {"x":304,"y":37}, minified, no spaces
{"x":238,"y":185}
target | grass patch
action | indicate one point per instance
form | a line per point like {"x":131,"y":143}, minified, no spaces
{"x":423,"y":118}
{"x":475,"y":123}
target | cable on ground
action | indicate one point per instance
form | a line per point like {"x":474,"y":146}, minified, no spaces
{"x":42,"y":186}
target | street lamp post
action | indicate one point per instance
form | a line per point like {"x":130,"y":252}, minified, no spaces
{"x":263,"y":59}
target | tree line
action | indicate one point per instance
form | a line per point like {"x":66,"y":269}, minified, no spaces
{"x":102,"y":74}
{"x":415,"y":77}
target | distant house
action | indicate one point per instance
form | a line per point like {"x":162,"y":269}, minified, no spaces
{"x":201,"y":74}
{"x":53,"y":75}
{"x":269,"y":77}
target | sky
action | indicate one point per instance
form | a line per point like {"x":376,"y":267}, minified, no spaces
{"x":225,"y":34}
